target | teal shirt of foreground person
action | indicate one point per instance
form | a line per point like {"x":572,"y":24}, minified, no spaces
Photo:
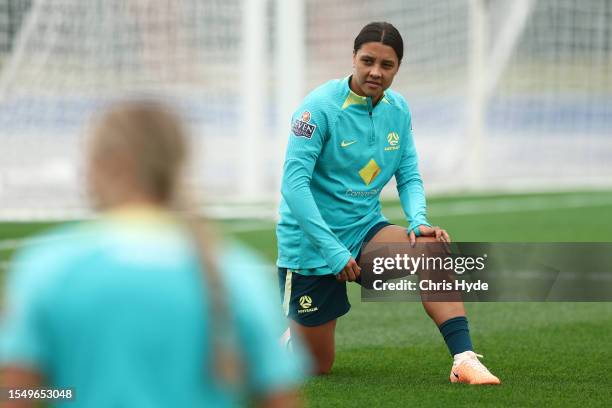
{"x":116,"y":309}
{"x":342,"y":151}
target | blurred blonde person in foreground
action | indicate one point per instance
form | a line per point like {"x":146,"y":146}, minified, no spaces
{"x":140,"y":308}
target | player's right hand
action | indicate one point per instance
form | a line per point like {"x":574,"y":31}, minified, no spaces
{"x":350,"y":272}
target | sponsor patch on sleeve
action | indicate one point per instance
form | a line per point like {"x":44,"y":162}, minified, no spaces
{"x":302,"y":128}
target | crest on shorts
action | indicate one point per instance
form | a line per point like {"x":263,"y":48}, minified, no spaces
{"x":306,"y":305}
{"x":302,"y":128}
{"x":305,"y":302}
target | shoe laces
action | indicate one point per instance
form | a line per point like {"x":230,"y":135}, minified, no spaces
{"x":471,"y":359}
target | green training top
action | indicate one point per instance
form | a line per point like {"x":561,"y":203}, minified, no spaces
{"x":342,"y":151}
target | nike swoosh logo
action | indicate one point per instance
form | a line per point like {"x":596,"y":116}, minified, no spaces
{"x":345,"y":144}
{"x":456,"y":375}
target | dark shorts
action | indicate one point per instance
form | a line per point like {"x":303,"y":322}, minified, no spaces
{"x":315,"y":300}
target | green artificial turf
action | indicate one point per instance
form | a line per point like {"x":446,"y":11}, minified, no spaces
{"x":546,"y":354}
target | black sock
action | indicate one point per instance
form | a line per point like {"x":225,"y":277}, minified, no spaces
{"x":456,"y":335}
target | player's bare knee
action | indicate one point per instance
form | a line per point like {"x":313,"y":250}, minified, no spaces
{"x":425,"y":240}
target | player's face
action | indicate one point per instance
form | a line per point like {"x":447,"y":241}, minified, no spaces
{"x":374,"y":67}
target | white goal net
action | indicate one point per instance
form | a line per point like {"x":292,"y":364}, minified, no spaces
{"x":504,"y":94}
{"x":64,"y":60}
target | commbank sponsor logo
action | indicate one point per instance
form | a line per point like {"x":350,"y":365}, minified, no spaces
{"x":369,"y":172}
{"x":362,"y":194}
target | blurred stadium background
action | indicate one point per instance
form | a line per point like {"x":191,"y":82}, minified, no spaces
{"x":512,"y":111}
{"x":505,"y":95}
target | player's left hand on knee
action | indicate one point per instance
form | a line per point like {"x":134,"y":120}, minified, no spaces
{"x":425,"y":231}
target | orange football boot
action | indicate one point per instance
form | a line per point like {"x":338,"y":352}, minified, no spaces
{"x":467,"y":369}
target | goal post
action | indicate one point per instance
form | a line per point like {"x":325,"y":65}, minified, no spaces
{"x":488,"y":57}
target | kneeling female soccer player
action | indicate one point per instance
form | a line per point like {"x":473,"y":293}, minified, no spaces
{"x":348,"y":138}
